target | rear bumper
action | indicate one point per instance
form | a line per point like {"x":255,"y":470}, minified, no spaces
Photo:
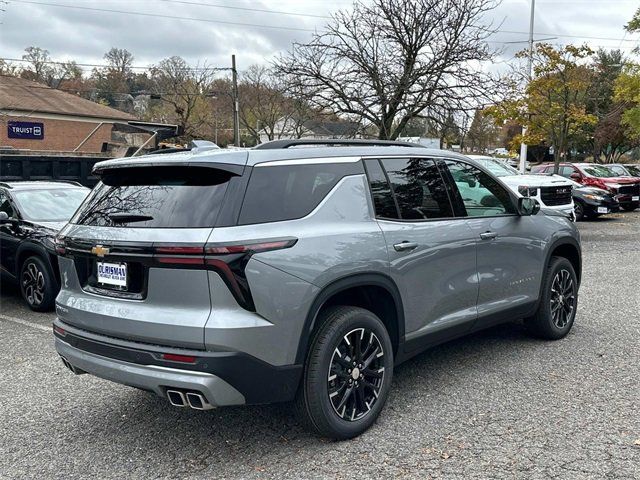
{"x":224,"y":378}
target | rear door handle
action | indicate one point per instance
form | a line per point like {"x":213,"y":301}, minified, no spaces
{"x":404,"y":246}
{"x":488,"y":235}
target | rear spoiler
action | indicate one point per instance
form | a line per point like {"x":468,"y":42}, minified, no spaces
{"x":108,"y":166}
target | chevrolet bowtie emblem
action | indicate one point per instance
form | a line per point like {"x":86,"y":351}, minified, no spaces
{"x":100,"y":251}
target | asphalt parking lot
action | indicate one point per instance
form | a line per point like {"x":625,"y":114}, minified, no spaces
{"x":494,"y":405}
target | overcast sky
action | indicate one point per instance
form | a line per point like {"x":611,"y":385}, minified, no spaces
{"x":84,"y":35}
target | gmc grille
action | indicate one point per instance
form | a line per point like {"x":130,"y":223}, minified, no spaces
{"x":552,"y":196}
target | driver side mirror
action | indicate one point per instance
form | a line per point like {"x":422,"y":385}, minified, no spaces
{"x":575,"y":176}
{"x":5,"y":220}
{"x":528,"y":206}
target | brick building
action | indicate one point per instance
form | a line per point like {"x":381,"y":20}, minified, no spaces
{"x":36,"y":117}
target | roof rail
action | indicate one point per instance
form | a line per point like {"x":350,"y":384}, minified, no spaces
{"x":331,"y":142}
{"x":8,"y":184}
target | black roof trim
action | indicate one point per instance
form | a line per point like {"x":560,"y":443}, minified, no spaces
{"x":329,"y":142}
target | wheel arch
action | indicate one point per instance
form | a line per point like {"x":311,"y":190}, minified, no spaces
{"x":568,"y":248}
{"x":30,"y":249}
{"x":376,"y":292}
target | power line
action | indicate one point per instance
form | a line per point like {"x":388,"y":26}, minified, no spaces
{"x":278,"y":27}
{"x":98,"y":65}
{"x":159,"y":15}
{"x":247,"y":9}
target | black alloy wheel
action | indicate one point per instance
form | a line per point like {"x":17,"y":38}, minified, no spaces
{"x":558,"y":303}
{"x":347,"y":375}
{"x":37,"y":284}
{"x":356,"y":374}
{"x":563,"y":298}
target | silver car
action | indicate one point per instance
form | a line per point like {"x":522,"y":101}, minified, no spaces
{"x":217,"y":278}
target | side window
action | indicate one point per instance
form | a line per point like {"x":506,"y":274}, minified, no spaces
{"x":5,"y":205}
{"x":564,"y":171}
{"x":383,"y":201}
{"x":286,"y":192}
{"x":481,"y":194}
{"x":418,"y":187}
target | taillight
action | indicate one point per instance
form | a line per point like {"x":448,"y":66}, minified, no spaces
{"x":180,"y":254}
{"x":172,"y":357}
{"x":249,"y":247}
{"x":228,"y":260}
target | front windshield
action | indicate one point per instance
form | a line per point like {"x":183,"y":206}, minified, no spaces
{"x":634,"y":170}
{"x":54,"y":205}
{"x":618,"y":169}
{"x":600,"y":171}
{"x":496,"y":167}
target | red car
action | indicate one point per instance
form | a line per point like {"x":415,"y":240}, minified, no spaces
{"x":625,"y":189}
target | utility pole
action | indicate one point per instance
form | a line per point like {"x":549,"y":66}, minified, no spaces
{"x":523,"y":146}
{"x":236,"y":106}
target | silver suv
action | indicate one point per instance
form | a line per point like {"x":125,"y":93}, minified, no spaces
{"x":218,"y":278}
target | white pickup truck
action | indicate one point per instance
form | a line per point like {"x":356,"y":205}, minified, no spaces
{"x":551,"y":191}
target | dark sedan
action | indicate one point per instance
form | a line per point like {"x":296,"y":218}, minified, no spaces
{"x":31,"y":214}
{"x":591,"y":202}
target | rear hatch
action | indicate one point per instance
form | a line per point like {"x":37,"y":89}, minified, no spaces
{"x":132,"y":257}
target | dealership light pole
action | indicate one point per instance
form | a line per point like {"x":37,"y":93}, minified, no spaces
{"x":523,"y":146}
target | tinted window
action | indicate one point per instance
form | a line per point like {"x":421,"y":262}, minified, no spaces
{"x":418,"y":188}
{"x":383,"y":201}
{"x":287,"y":192}
{"x":634,"y":170}
{"x":55,"y":205}
{"x":481,"y":194}
{"x":170,"y":197}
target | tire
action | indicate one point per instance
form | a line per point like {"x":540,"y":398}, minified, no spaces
{"x":558,"y":302}
{"x":37,"y":284}
{"x":629,"y":207}
{"x":336,"y":408}
{"x":578,"y":209}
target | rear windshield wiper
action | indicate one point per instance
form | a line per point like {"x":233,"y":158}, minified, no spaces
{"x":128,"y":217}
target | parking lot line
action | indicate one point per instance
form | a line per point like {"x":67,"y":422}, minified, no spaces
{"x":25,"y":323}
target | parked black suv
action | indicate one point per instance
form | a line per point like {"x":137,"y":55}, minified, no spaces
{"x":31,"y":214}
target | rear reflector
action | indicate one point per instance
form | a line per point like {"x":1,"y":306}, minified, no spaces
{"x":59,"y":330}
{"x":172,"y":357}
{"x":181,"y":260}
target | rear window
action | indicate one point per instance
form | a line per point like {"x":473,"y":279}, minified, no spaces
{"x":157,"y":197}
{"x":287,"y":192}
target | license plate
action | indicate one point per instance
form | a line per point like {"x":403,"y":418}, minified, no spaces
{"x":112,"y":274}
{"x":603,"y":210}
{"x":636,"y":198}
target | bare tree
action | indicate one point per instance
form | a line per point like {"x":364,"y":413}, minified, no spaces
{"x":263,"y":104}
{"x":393,"y":60}
{"x":183,"y":91}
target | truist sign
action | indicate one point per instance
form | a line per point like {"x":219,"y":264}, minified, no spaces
{"x":28,"y":130}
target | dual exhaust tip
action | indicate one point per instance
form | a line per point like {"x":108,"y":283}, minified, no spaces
{"x":195,"y":400}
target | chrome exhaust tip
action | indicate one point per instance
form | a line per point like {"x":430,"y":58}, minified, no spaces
{"x":198,"y":402}
{"x":176,"y":398}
